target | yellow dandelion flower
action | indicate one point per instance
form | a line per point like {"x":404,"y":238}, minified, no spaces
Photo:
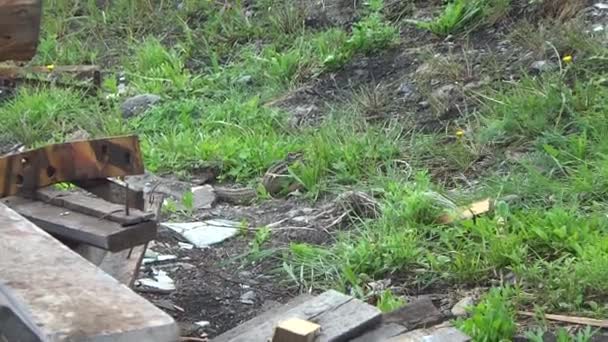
{"x":50,"y":67}
{"x":459,"y":133}
{"x":567,"y":59}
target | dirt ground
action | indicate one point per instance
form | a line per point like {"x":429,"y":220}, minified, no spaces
{"x":210,"y":282}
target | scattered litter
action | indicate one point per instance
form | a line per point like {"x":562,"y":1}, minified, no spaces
{"x":162,"y":281}
{"x":248,"y":298}
{"x":601,"y":6}
{"x":205,"y":233}
{"x":65,"y":213}
{"x":184,"y":245}
{"x":158,"y":258}
{"x":166,"y":304}
{"x":202,"y":324}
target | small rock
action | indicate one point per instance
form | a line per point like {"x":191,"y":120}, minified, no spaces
{"x":424,"y":104}
{"x":204,"y":196}
{"x":460,"y":309}
{"x":406,"y":89}
{"x":203,"y":324}
{"x":138,"y":104}
{"x":601,"y":6}
{"x":246,"y":79}
{"x":79,"y":134}
{"x":444,"y":93}
{"x":539,"y":67}
{"x":248,"y":298}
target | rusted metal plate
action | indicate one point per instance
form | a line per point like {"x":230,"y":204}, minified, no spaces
{"x":19,"y":29}
{"x":25,"y":172}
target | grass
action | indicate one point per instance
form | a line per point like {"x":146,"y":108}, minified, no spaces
{"x":215,"y":67}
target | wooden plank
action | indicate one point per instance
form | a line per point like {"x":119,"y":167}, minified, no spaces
{"x":24,"y":173}
{"x":381,"y":333}
{"x":262,"y":327}
{"x":435,"y":334}
{"x":19,"y":28}
{"x":341,"y":318}
{"x":296,"y":330}
{"x":112,"y":191}
{"x":82,"y":228}
{"x":347,"y":321}
{"x":600,"y":323}
{"x":468,"y":212}
{"x":93,"y":206}
{"x":417,"y":314}
{"x":65,"y":297}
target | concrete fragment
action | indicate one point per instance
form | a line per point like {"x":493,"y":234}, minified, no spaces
{"x":162,"y":281}
{"x":204,"y":196}
{"x":205,"y":233}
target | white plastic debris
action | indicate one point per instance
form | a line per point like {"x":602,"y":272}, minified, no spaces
{"x":162,"y":281}
{"x":601,"y":5}
{"x":206,"y":233}
{"x":184,"y":245}
{"x":158,"y":258}
{"x":202,"y":324}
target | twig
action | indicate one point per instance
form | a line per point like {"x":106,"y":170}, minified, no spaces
{"x":570,"y":319}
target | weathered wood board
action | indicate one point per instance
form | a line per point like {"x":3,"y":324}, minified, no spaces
{"x":341,"y":318}
{"x":435,"y":334}
{"x":66,"y":298}
{"x":82,"y":228}
{"x":420,"y":313}
{"x":113,"y":192}
{"x":19,"y":29}
{"x":93,"y":206}
{"x":381,"y":333}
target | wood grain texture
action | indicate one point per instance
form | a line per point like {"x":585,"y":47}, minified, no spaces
{"x":122,"y":266}
{"x":435,"y":334}
{"x":113,"y":191}
{"x":92,"y":206}
{"x":341,"y":318}
{"x":81,"y":228}
{"x":417,"y":314}
{"x":381,"y":333}
{"x":67,"y":298}
{"x":19,"y":29}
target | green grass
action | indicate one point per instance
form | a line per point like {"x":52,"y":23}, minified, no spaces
{"x":215,"y":67}
{"x":466,"y":15}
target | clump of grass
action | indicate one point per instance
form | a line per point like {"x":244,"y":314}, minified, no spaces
{"x":388,"y":302}
{"x":372,"y":33}
{"x":465,"y":15}
{"x":493,"y":319}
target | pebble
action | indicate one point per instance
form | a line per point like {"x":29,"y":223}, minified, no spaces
{"x":138,"y":104}
{"x":248,"y":298}
{"x":460,"y":309}
{"x":204,"y":196}
{"x":542,"y":66}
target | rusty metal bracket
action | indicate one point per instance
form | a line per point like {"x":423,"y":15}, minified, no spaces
{"x":23,"y":173}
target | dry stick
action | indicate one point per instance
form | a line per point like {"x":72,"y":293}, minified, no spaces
{"x":570,"y":319}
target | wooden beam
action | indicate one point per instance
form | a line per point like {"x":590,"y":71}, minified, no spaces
{"x":114,"y":192}
{"x":341,"y":318}
{"x":92,"y":206}
{"x":24,"y":173}
{"x":19,"y":29}
{"x":81,"y":228}
{"x":64,"y":297}
{"x":122,"y":266}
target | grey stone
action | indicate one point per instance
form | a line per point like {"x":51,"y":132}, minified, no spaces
{"x":460,"y":309}
{"x":248,"y":298}
{"x":138,"y":104}
{"x":542,"y":66}
{"x":204,"y":197}
{"x":406,"y":89}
